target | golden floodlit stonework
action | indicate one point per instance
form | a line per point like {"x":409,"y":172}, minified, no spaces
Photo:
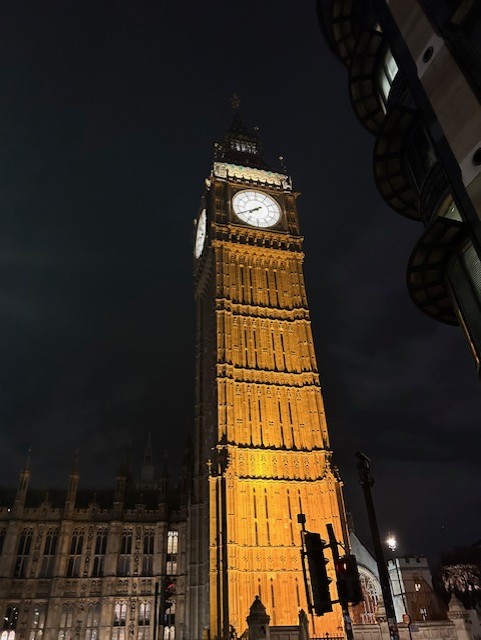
{"x":262,"y":452}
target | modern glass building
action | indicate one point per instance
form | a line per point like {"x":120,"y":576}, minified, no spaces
{"x":414,"y":77}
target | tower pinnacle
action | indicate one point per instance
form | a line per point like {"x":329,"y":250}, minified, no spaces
{"x":240,"y":146}
{"x":235,"y":102}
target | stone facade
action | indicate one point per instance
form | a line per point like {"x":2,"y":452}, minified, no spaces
{"x":79,"y":564}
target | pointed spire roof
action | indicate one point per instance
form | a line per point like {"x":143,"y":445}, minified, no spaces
{"x":148,"y":450}
{"x":75,"y":463}
{"x":241,"y":146}
{"x":26,"y":466}
{"x":147,"y":468}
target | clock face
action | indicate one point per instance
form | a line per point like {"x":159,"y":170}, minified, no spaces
{"x":200,"y":234}
{"x":256,"y":208}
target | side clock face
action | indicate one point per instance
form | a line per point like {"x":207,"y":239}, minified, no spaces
{"x":256,"y":208}
{"x":200,"y":234}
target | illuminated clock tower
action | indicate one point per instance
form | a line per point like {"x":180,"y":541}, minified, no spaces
{"x":261,"y":449}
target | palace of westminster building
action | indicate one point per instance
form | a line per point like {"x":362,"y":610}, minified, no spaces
{"x":78,"y":564}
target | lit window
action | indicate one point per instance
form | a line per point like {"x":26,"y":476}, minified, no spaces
{"x":66,"y":622}
{"x":386,"y":73}
{"x":172,"y":548}
{"x":242,"y":145}
{"x":120,"y":615}
{"x":93,"y":622}
{"x":144,"y":613}
{"x":37,"y":623}
{"x":10,"y":620}
{"x":451,"y":211}
{"x":169,"y":632}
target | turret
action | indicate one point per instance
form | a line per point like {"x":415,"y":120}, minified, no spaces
{"x":120,"y":487}
{"x":72,"y":488}
{"x":23,"y":483}
{"x":147,"y":468}
{"x":258,"y":621}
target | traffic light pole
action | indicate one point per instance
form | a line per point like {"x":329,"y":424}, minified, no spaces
{"x":342,"y":599}
{"x":367,"y":482}
{"x":301,"y":519}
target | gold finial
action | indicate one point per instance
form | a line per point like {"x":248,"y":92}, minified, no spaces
{"x":235,"y":102}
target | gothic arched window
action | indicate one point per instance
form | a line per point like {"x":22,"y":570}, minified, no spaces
{"x":49,"y":550}
{"x":125,"y":553}
{"x":93,"y":622}
{"x":119,"y":621}
{"x":75,"y":556}
{"x":366,"y":612}
{"x":23,"y":551}
{"x":66,"y":622}
{"x":37,"y":622}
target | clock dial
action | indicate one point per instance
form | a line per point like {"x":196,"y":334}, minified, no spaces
{"x":200,"y":234}
{"x":256,"y":208}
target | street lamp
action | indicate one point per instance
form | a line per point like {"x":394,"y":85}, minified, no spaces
{"x":392,"y":545}
{"x":391,"y":541}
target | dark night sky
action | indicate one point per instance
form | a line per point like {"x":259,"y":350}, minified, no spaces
{"x":108,"y":113}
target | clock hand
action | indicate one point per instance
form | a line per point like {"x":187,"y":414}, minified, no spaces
{"x":252,"y":210}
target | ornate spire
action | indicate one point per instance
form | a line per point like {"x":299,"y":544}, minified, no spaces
{"x":22,"y":486}
{"x":241,"y":146}
{"x":27,"y":461}
{"x":235,"y":102}
{"x":148,"y":450}
{"x":75,"y":461}
{"x":72,"y":487}
{"x":147,"y":469}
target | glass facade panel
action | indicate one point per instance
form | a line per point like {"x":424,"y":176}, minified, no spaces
{"x":385,"y":76}
{"x":464,"y":274}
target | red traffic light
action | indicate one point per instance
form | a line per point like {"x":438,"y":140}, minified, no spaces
{"x":348,"y":581}
{"x":342,"y":565}
{"x":169,"y":586}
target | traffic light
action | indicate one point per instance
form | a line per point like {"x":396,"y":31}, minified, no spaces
{"x":166,"y":599}
{"x":348,"y":581}
{"x":318,"y":573}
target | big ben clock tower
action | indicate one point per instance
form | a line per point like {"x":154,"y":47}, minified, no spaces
{"x":261,"y":449}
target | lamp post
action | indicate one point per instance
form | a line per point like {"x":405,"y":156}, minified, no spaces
{"x":367,"y":482}
{"x":392,"y":545}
